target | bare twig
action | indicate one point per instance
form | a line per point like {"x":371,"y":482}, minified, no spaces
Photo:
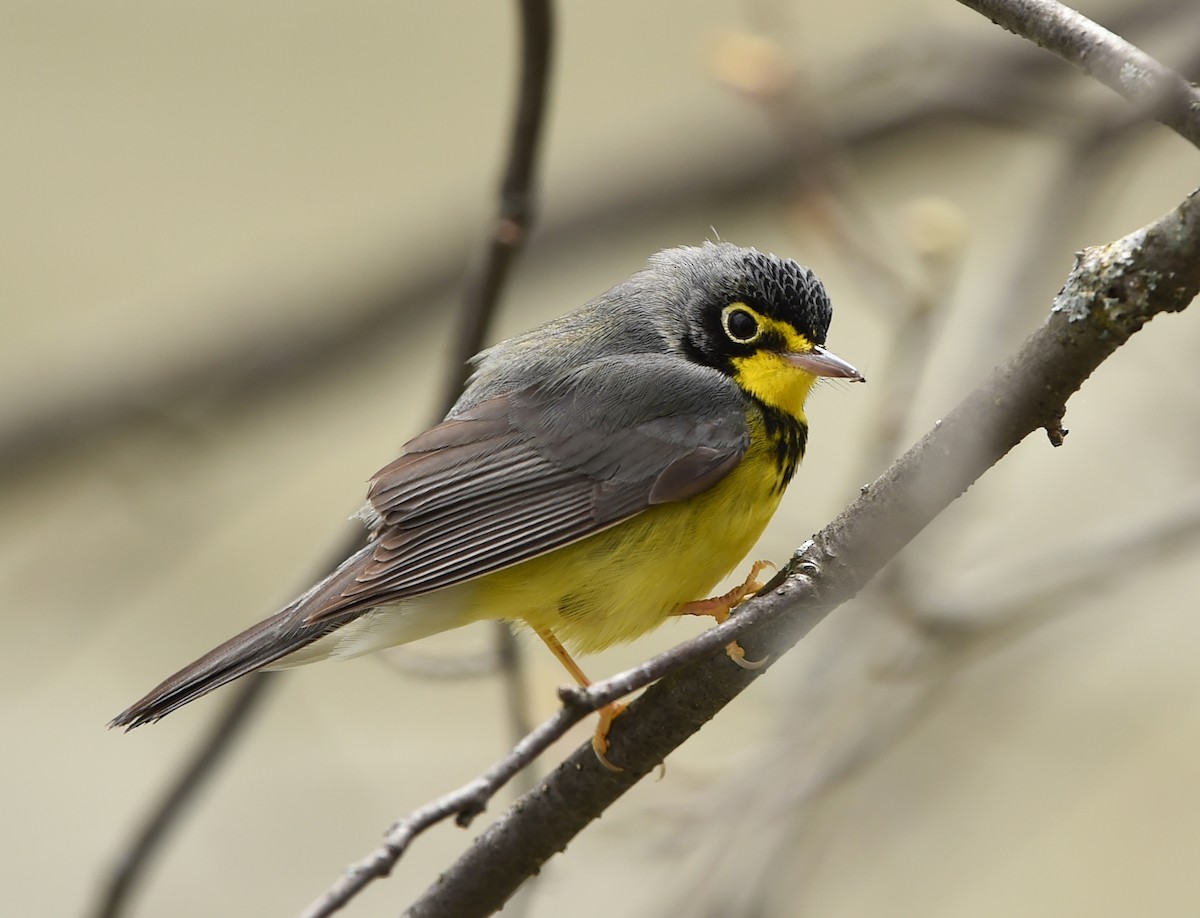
{"x":1112,"y":292}
{"x":898,"y":647}
{"x":517,"y":190}
{"x":463,"y":808}
{"x":1151,"y":87}
{"x":515,"y":216}
{"x":463,"y":805}
{"x":988,"y":83}
{"x":516,"y":696}
{"x":471,"y":799}
{"x":136,"y":856}
{"x":510,"y":230}
{"x":457,"y":892}
{"x":207,"y":756}
{"x":1089,"y":564}
{"x":878,"y":680}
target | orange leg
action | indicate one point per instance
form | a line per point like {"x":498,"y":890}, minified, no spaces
{"x":719,"y":608}
{"x":607,"y":713}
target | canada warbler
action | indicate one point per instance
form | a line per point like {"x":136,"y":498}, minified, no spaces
{"x":598,"y":475}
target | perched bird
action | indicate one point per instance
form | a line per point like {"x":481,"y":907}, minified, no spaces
{"x":599,"y":474}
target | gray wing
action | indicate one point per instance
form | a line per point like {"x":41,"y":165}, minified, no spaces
{"x":523,"y":473}
{"x":506,"y":479}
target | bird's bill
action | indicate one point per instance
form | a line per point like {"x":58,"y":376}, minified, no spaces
{"x":820,"y":362}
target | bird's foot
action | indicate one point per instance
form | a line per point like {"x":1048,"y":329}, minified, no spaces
{"x":719,"y":608}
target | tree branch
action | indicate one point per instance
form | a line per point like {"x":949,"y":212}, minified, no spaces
{"x":986,"y":83}
{"x":210,"y":752}
{"x":510,"y":229}
{"x":820,"y":576}
{"x":208,"y":755}
{"x":517,"y":189}
{"x":1151,"y":87}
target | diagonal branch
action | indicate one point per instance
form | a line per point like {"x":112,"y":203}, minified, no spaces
{"x":511,"y":227}
{"x":1119,"y":65}
{"x":1112,"y":291}
{"x":1110,"y":294}
{"x":982,"y":83}
{"x":517,"y":189}
{"x":135,"y":858}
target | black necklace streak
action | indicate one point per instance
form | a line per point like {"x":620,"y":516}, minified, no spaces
{"x":790,"y":438}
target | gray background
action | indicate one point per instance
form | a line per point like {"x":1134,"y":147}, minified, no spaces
{"x":177,"y":177}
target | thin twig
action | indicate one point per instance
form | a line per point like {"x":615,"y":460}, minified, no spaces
{"x":210,"y":752}
{"x":463,"y":805}
{"x":879,"y":684}
{"x":899,"y":646}
{"x":510,"y":229}
{"x":134,"y":871}
{"x":1152,"y":87}
{"x":470,"y":800}
{"x":247,"y":371}
{"x":517,"y":189}
{"x":1105,"y":301}
{"x":207,"y":756}
{"x":516,"y":211}
{"x":1087,"y":565}
{"x":516,"y":694}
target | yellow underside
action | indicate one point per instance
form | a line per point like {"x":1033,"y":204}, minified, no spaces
{"x":620,"y":583}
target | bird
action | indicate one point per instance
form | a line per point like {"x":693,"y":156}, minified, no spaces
{"x":600,"y":474}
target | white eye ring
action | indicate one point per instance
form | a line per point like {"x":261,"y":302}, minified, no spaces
{"x":734,"y":316}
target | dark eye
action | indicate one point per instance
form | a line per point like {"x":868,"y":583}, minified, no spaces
{"x":740,"y":324}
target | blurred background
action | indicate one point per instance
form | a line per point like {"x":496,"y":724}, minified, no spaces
{"x":234,"y":240}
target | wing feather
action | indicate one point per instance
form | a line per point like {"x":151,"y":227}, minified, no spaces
{"x":520,"y":474}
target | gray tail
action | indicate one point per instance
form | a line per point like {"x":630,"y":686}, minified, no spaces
{"x":260,"y":645}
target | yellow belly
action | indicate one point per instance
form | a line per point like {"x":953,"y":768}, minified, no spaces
{"x":620,"y":583}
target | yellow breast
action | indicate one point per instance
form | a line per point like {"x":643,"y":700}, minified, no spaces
{"x":620,"y":583}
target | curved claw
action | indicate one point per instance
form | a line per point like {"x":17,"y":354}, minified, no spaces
{"x":600,"y":738}
{"x":757,"y":568}
{"x":735,"y":652}
{"x":603,"y":758}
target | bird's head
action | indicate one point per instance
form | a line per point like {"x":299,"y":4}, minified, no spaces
{"x":760,"y":319}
